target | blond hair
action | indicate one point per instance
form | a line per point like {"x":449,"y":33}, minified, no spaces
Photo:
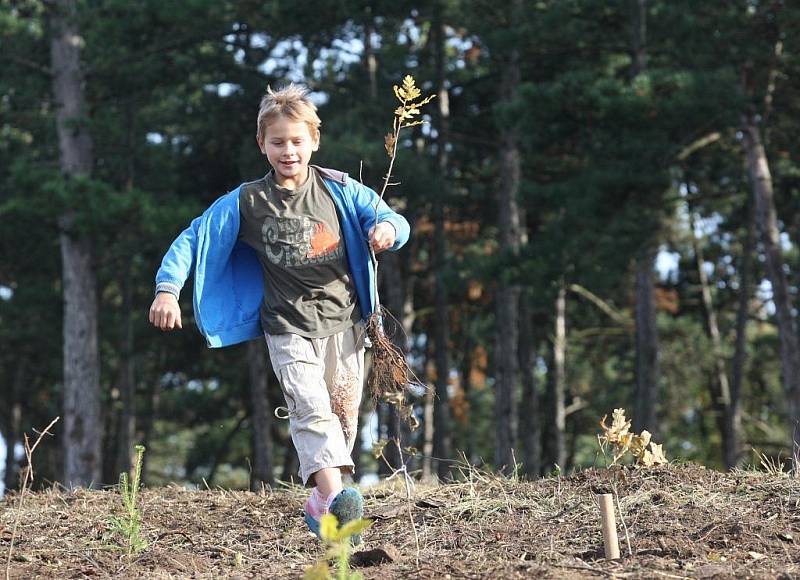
{"x":292,"y":102}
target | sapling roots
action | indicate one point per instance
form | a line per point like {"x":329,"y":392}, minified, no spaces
{"x":391,"y":376}
{"x":390,"y":370}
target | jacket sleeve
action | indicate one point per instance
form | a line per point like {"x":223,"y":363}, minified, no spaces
{"x":364,"y":200}
{"x":179,"y":260}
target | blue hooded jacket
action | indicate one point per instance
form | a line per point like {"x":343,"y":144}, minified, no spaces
{"x":228,"y":281}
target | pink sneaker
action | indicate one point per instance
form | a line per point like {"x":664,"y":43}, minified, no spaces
{"x":317,"y":506}
{"x":346,"y":505}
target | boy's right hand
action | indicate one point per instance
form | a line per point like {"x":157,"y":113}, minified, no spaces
{"x":165,"y":313}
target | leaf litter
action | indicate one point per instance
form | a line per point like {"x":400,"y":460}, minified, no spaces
{"x":684,"y":521}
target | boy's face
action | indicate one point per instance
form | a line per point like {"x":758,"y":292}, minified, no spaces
{"x":288,"y":146}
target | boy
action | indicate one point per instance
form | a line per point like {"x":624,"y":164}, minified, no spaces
{"x":286,"y":257}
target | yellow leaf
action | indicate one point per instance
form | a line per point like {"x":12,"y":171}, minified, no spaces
{"x":319,"y":571}
{"x":388,"y":143}
{"x":639,"y":443}
{"x":646,"y":458}
{"x":378,"y":447}
{"x":619,"y":425}
{"x":411,"y":91}
{"x":658,"y":454}
{"x":618,"y":429}
{"x":354,"y":527}
{"x":328,"y":525}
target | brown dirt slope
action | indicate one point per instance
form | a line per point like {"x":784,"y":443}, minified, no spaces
{"x":682,"y":521}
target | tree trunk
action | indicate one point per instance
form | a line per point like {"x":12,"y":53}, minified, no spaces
{"x":427,"y":425}
{"x":645,"y":407}
{"x":394,"y":300}
{"x":260,"y":415}
{"x":529,"y":421}
{"x":370,"y":60}
{"x":149,"y":418}
{"x":12,"y":431}
{"x":761,"y":179}
{"x":82,"y":421}
{"x":363,"y":414}
{"x":507,"y":299}
{"x":638,"y":37}
{"x":720,"y":388}
{"x":733,"y":420}
{"x":224,"y":447}
{"x":291,"y":464}
{"x":506,"y":373}
{"x":644,"y":415}
{"x":441,"y":402}
{"x":558,"y":415}
{"x":390,"y":425}
{"x":468,"y":434}
{"x":126,"y":429}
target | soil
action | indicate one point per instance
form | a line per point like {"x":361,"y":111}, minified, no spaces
{"x":682,"y":522}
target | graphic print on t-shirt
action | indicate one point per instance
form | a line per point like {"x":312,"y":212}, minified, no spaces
{"x":295,"y":242}
{"x":323,"y":242}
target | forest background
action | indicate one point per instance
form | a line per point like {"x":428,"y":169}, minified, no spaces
{"x":605,"y":206}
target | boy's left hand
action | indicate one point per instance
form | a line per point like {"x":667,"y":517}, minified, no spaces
{"x":382,"y":237}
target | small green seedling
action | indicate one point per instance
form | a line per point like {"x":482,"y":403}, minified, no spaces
{"x":340,"y":547}
{"x":128,"y":526}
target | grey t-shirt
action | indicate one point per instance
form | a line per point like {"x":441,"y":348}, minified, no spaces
{"x":308,"y":289}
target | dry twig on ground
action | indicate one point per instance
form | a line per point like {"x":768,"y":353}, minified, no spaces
{"x":27,"y":477}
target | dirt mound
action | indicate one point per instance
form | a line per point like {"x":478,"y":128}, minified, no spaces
{"x":682,"y":521}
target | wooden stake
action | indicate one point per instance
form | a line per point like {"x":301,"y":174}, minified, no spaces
{"x":610,"y":540}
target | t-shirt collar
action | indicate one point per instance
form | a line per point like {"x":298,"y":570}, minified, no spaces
{"x":289,"y":193}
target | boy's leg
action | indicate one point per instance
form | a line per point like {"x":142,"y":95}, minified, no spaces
{"x":308,"y":369}
{"x":328,"y":480}
{"x":316,"y":431}
{"x":344,"y":375}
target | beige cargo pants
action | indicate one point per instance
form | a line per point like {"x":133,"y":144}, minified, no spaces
{"x":322,"y":381}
